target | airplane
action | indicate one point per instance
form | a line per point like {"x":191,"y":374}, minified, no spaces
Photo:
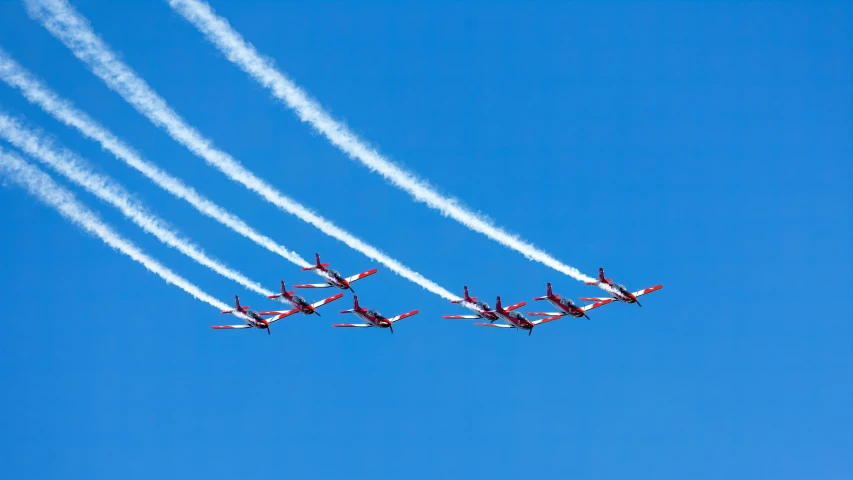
{"x":482,"y":308}
{"x":288,"y":298}
{"x":566,"y":306}
{"x":617,"y":292}
{"x":334,"y":278}
{"x":372,"y":317}
{"x":252,"y":319}
{"x":514,"y":320}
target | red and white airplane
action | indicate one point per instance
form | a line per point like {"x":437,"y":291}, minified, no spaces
{"x":482,"y":308}
{"x":566,"y":306}
{"x":372,"y":317}
{"x":252,"y":319}
{"x":289,"y":298}
{"x":514,"y":319}
{"x":616,"y":291}
{"x":334,"y":279}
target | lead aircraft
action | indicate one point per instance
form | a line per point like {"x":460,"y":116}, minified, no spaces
{"x":334,"y":279}
{"x":514,"y":319}
{"x":372,"y":317}
{"x":482,"y":308}
{"x":617,"y":292}
{"x":566,"y":306}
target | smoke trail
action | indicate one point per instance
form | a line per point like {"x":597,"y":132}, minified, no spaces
{"x":74,"y":168}
{"x":38,"y":184}
{"x":37,"y":93}
{"x":63,"y":22}
{"x":236,"y":49}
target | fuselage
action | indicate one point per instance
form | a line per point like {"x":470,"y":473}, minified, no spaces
{"x":297,"y":302}
{"x":256,"y":320}
{"x":483,"y":309}
{"x":372,"y":317}
{"x":334,"y":278}
{"x":566,"y":306}
{"x":515,"y":319}
{"x":619,"y":292}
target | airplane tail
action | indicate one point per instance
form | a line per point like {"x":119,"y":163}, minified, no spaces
{"x":279,"y":295}
{"x":237,"y":305}
{"x":355,"y":306}
{"x":498,"y":303}
{"x":318,"y":265}
{"x":601,"y":278}
{"x":548,"y":293}
{"x":465,"y":296}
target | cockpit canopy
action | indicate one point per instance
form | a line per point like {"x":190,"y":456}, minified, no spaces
{"x":516,"y":315}
{"x":298,"y":299}
{"x":374,"y":313}
{"x":568,"y":302}
{"x":620,"y":287}
{"x":483,"y":306}
{"x":333,"y":273}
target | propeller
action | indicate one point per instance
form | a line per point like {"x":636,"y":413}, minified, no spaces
{"x":586,"y":316}
{"x":391,"y":327}
{"x":530,"y":332}
{"x":638,"y":303}
{"x":268,"y":330}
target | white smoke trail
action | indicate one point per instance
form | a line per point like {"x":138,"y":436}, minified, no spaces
{"x":236,"y":49}
{"x":75,"y":169}
{"x":38,"y":184}
{"x":36,"y":92}
{"x":63,"y":22}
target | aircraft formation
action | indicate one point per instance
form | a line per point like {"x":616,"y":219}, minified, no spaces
{"x":482,"y":311}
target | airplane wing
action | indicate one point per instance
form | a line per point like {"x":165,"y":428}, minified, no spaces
{"x":229,"y":327}
{"x":595,"y":299}
{"x":405,"y":315}
{"x":495,"y":325}
{"x":279,"y":314}
{"x":462,"y":317}
{"x":352,"y":325}
{"x":545,"y":314}
{"x":589,"y":307}
{"x":361,"y":275}
{"x":283,"y":315}
{"x":327,"y":300}
{"x":647,"y":290}
{"x":313,"y":285}
{"x":546,"y":320}
{"x":513,"y":307}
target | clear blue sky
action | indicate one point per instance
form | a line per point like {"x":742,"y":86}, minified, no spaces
{"x":706,"y":146}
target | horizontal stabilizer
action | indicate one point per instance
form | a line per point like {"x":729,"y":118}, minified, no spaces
{"x":324,"y":265}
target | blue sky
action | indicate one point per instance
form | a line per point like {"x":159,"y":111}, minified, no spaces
{"x":704,"y":146}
